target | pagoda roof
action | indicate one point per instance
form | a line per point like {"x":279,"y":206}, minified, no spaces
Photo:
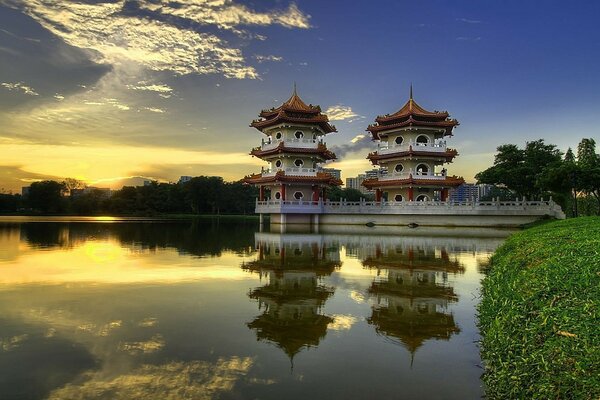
{"x":321,"y":150}
{"x":281,"y":177}
{"x":448,"y":181}
{"x":412,"y":114}
{"x":294,"y":110}
{"x":448,"y":155}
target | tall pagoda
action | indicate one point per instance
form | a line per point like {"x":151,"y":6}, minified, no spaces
{"x":294,"y":147}
{"x":411,"y":154}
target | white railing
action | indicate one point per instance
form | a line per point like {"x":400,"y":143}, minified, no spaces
{"x":415,"y":174}
{"x":295,"y":171}
{"x":387,"y":148}
{"x":410,"y":207}
{"x":294,"y":143}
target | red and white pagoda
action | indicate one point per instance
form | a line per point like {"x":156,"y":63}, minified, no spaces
{"x":294,"y":147}
{"x":411,"y":155}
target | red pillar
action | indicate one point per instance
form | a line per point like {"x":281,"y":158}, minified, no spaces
{"x":378,"y":194}
{"x":411,"y":194}
{"x":444,"y":194}
{"x":283,"y":192}
{"x":261,"y":193}
{"x":315,"y":194}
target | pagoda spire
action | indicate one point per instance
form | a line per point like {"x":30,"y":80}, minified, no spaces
{"x":411,"y":91}
{"x":410,"y":99}
{"x":295,"y":92}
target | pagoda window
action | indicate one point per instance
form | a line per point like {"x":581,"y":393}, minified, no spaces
{"x":314,"y":136}
{"x":399,"y":168}
{"x":298,"y":163}
{"x":398,"y":197}
{"x":422,"y":197}
{"x":299,"y":134}
{"x":399,"y":140}
{"x":422,"y":169}
{"x":422,"y":139}
{"x":278,"y":135}
{"x":278,"y":195}
{"x":298,"y":195}
{"x":278,"y":163}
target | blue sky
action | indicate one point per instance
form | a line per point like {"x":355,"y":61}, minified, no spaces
{"x":110,"y":91}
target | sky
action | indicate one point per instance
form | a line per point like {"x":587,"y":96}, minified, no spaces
{"x":116,"y":92}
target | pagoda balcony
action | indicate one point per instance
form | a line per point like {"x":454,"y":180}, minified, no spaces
{"x":385,"y":148}
{"x":391,"y":176}
{"x":293,"y":171}
{"x":295,"y":143}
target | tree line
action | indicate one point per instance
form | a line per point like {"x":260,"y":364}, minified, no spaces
{"x":200,"y":195}
{"x":542,"y":170}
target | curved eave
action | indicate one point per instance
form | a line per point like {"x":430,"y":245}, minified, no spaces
{"x":320,"y":151}
{"x":446,"y":125}
{"x":280,"y":177}
{"x":323,"y":123}
{"x":450,"y":181}
{"x":448,"y":155}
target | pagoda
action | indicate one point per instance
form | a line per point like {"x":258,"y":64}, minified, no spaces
{"x":411,"y":154}
{"x":294,"y":147}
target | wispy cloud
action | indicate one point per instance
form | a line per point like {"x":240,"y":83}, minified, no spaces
{"x":469,"y":21}
{"x":116,"y":37}
{"x":20,"y":87}
{"x":359,"y":142}
{"x":340,"y":112}
{"x":160,"y":88}
{"x":154,"y":110}
{"x":468,"y":38}
{"x":262,"y":59}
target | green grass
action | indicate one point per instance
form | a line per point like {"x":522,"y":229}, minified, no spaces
{"x":540,"y":313}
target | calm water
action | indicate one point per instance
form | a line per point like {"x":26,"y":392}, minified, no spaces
{"x":122,"y":310}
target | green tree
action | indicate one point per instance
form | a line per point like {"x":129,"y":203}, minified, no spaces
{"x":47,"y":197}
{"x":523,"y":171}
{"x":588,"y":163}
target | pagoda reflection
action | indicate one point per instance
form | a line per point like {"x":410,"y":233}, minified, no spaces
{"x":412,"y":293}
{"x":292,"y":300}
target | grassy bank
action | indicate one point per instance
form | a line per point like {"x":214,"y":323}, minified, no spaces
{"x":540,"y":313}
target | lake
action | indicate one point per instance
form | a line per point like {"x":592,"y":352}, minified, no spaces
{"x":218,"y":309}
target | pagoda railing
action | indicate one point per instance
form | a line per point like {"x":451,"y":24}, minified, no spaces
{"x":388,"y":176}
{"x":295,"y":143}
{"x":407,"y":207}
{"x":295,"y":171}
{"x":436,"y":147}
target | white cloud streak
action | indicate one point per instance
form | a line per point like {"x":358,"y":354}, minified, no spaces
{"x":340,"y":112}
{"x":20,"y":87}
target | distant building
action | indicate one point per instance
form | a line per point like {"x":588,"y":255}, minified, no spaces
{"x":103,"y":192}
{"x":336,"y":173}
{"x":465,"y":192}
{"x":184,"y":179}
{"x":485,"y":190}
{"x":356,"y":183}
{"x":25,"y":191}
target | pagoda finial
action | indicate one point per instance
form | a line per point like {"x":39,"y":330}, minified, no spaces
{"x":411,"y":94}
{"x":295,"y":93}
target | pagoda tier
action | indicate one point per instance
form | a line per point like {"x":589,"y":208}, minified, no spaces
{"x":412,"y":114}
{"x":448,"y":181}
{"x":294,"y":111}
{"x":319,"y":150}
{"x":282,"y":177}
{"x":441,"y":156}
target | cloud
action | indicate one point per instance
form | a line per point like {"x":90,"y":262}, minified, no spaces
{"x":340,"y":112}
{"x":262,"y":59}
{"x":163,"y":90}
{"x":357,"y":143}
{"x":20,"y":86}
{"x":154,"y":110}
{"x":158,"y":41}
{"x":468,"y":39}
{"x":468,"y":21}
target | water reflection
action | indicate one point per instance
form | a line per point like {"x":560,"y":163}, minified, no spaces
{"x":164,"y":310}
{"x":412,"y":293}
{"x":294,"y":296}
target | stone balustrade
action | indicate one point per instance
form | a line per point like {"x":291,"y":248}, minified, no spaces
{"x":384,"y":148}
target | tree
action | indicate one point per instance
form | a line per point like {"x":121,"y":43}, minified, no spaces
{"x":47,"y":197}
{"x":588,"y":163}
{"x":523,"y":171}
